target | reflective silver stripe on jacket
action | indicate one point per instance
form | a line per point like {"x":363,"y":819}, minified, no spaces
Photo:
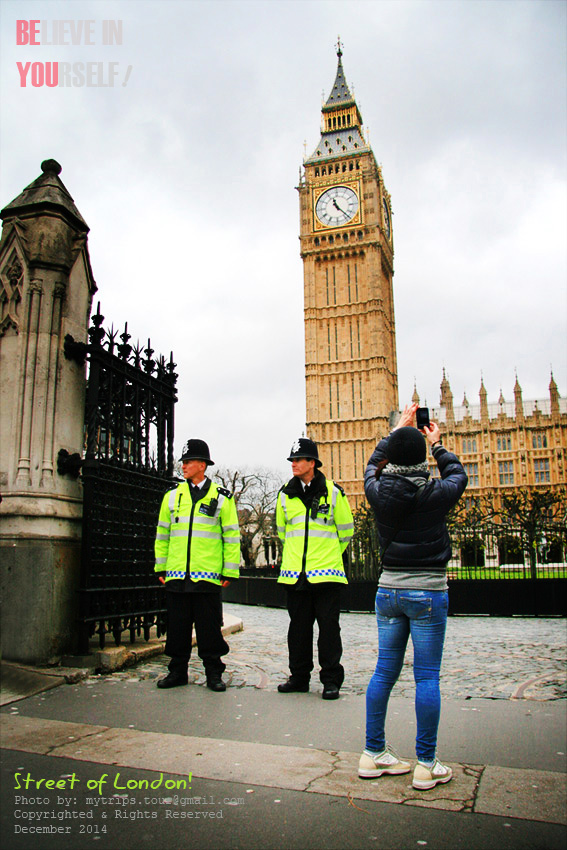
{"x":314,"y":533}
{"x":201,"y":519}
{"x":334,"y":497}
{"x":219,"y":506}
{"x":296,"y":520}
{"x":284,"y":505}
{"x":210,"y":535}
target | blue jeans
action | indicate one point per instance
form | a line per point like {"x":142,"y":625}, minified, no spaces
{"x":423,"y":614}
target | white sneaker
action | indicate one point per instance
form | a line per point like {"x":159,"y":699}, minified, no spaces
{"x":372,"y":765}
{"x":428,"y":777}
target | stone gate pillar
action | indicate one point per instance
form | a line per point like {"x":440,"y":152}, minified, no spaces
{"x":46,"y":290}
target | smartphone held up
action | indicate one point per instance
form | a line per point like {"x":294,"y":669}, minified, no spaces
{"x":422,"y":418}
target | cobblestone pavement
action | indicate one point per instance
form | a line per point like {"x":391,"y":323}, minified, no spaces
{"x":485,"y":657}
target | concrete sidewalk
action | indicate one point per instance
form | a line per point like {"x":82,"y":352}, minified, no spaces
{"x":18,"y":681}
{"x":271,"y":770}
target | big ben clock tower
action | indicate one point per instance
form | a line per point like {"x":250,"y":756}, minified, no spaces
{"x":347,"y":251}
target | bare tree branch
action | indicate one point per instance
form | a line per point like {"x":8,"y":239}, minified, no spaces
{"x":255,"y":493}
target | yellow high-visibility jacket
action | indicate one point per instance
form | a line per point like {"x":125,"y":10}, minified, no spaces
{"x":314,"y":545}
{"x":202,"y":537}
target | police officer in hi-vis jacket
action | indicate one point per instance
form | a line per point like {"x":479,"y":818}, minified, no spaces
{"x":197,"y":550}
{"x":314,"y":522}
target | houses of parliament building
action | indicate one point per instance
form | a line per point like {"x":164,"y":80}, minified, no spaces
{"x":346,"y":245}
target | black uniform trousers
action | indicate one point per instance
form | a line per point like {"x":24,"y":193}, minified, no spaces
{"x":205,"y":611}
{"x":321,"y":602}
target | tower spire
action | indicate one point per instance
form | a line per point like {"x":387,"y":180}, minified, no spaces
{"x":340,"y":93}
{"x":341,"y":124}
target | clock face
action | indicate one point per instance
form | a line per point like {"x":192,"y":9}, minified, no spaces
{"x":387,"y":225}
{"x":336,"y":206}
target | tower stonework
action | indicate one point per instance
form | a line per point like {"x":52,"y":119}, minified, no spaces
{"x":347,"y":251}
{"x":46,"y":290}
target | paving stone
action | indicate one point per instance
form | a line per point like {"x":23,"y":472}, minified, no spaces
{"x":485,"y":657}
{"x":529,"y":794}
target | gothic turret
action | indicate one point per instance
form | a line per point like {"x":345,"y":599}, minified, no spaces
{"x":518,"y":402}
{"x":446,"y":399}
{"x":483,"y":403}
{"x":554,"y":397}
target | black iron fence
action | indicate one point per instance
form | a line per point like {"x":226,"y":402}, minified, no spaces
{"x":491,"y":551}
{"x":496,"y":569}
{"x":127,"y":467}
{"x":509,"y":552}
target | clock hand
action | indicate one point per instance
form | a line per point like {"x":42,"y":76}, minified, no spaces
{"x":340,"y":209}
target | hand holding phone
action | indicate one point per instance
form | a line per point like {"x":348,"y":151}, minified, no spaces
{"x":422,"y":418}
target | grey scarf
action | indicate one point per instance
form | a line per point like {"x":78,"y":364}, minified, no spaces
{"x":416,"y":469}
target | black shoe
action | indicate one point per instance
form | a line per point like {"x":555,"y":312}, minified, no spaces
{"x":172,"y":680}
{"x":215,"y":683}
{"x":293,"y":686}
{"x":330,"y":692}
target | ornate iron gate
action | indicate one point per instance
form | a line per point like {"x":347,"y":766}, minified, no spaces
{"x":128,"y":466}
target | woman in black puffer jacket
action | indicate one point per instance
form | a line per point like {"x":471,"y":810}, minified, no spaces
{"x":412,"y":595}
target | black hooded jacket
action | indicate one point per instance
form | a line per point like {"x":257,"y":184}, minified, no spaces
{"x":421,"y":541}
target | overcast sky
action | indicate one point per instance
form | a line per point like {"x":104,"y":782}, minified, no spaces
{"x":186,"y":176}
